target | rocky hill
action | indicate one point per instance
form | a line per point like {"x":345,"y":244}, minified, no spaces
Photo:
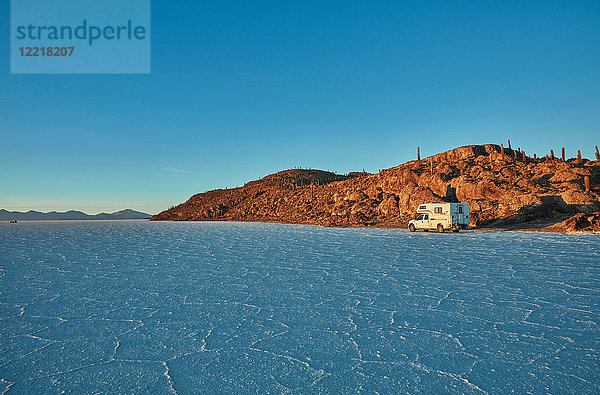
{"x":504,"y":188}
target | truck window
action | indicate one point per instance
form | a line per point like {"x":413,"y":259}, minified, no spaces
{"x":426,"y":217}
{"x":420,"y":217}
{"x":437,"y":210}
{"x":421,"y":207}
{"x":460,"y":210}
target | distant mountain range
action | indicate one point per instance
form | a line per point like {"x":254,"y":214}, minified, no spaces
{"x":69,"y":215}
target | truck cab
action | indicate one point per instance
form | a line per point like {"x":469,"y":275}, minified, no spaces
{"x":422,"y":221}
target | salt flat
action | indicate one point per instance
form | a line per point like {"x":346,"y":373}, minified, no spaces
{"x":245,"y":307}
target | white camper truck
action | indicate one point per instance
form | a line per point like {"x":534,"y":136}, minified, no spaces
{"x":441,"y":216}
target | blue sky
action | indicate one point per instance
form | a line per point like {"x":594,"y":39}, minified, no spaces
{"x":241,"y":89}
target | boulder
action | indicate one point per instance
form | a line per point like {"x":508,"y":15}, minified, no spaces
{"x":565,"y":176}
{"x":389,"y":207}
{"x":357,"y":196}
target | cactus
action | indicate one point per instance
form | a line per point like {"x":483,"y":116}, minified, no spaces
{"x":552,"y":154}
{"x":418,"y":153}
{"x":563,"y":154}
{"x":509,"y":147}
{"x":524,"y":156}
{"x":587,"y":183}
{"x":578,"y":156}
{"x":535,"y":157}
{"x":502,"y":150}
{"x":597,"y":154}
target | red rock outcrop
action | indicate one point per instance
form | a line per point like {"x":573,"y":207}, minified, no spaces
{"x":581,"y":222}
{"x":502,"y":190}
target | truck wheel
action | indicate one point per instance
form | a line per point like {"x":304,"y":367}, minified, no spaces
{"x":440,"y":228}
{"x":455,"y":230}
{"x":411,"y":227}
